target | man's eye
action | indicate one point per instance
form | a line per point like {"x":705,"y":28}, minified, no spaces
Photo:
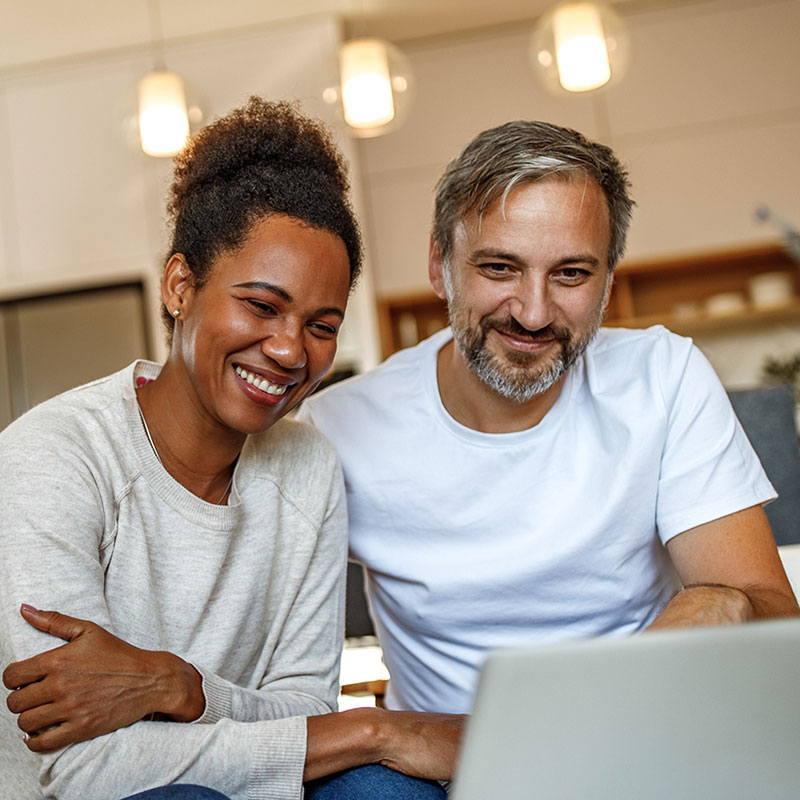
{"x":496,"y":269}
{"x":573,"y":273}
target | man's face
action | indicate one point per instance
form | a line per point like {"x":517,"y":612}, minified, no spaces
{"x":527,"y":284}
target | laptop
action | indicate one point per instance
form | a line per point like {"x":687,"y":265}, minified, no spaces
{"x":695,"y":714}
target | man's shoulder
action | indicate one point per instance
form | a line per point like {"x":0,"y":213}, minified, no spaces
{"x":402,"y":373}
{"x":618,"y":342}
{"x":617,"y":352}
{"x":648,"y":363}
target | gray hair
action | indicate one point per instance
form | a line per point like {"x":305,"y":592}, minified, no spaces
{"x":518,"y":152}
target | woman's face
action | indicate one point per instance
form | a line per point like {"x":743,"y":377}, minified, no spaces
{"x":260,"y":334}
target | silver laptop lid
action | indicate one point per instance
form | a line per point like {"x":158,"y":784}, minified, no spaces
{"x":681,"y":715}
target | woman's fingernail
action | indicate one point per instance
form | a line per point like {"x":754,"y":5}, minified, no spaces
{"x":28,"y":607}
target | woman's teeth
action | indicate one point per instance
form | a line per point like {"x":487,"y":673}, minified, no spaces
{"x":261,"y":383}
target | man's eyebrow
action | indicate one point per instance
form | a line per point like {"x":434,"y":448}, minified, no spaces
{"x":265,"y":286}
{"x":580,"y":259}
{"x":503,"y":255}
{"x":491,"y":252}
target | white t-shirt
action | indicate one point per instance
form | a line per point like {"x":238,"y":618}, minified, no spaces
{"x":474,"y":540}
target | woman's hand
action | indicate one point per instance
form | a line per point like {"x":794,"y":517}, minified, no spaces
{"x":419,"y":744}
{"x":94,"y":684}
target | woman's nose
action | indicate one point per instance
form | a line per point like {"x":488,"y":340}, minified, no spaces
{"x":284,"y":345}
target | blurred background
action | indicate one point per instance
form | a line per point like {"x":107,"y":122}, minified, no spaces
{"x":706,"y":115}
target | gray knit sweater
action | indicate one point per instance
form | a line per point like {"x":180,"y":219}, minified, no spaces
{"x":251,"y":593}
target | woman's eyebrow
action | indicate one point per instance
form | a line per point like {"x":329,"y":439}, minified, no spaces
{"x":336,"y":312}
{"x":265,"y":286}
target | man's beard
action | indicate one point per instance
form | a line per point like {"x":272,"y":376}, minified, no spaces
{"x":515,"y":375}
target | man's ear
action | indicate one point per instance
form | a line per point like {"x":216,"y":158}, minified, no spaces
{"x":436,"y":269}
{"x":609,"y":287}
{"x":176,"y":285}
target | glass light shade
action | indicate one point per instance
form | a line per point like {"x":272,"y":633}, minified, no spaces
{"x":163,"y":118}
{"x":375,"y":83}
{"x":366,"y":85}
{"x":577,"y":47}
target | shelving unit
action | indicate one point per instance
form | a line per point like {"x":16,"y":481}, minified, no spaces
{"x":407,"y":319}
{"x":648,"y":292}
{"x":645,"y":293}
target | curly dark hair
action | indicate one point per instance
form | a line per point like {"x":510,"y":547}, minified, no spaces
{"x":263,"y":158}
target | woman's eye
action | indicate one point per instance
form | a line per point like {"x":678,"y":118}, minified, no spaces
{"x":261,"y":308}
{"x":322,"y":329}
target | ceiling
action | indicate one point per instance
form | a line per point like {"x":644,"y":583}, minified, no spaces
{"x":35,"y":31}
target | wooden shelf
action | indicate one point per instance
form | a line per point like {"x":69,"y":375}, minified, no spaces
{"x":407,"y":319}
{"x":645,"y":293}
{"x":704,"y":323}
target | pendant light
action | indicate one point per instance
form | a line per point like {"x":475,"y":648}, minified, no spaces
{"x":163,"y":117}
{"x":578,"y":47}
{"x":375,"y":83}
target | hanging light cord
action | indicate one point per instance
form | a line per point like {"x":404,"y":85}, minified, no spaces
{"x":156,"y":33}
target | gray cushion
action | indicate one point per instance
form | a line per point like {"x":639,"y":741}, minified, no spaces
{"x":767,"y":416}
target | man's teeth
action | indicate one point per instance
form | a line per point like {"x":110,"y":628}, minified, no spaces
{"x":261,"y":383}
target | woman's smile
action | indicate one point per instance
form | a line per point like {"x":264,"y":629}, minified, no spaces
{"x":262,"y":384}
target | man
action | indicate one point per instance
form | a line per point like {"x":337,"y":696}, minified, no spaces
{"x":526,"y":477}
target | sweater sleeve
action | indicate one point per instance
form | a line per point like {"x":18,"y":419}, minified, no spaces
{"x":56,"y":535}
{"x":243,"y":760}
{"x":303,"y":675}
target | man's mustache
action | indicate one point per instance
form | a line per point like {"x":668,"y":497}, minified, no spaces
{"x":514,"y":328}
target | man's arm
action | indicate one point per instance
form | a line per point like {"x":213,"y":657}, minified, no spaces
{"x":731,"y":572}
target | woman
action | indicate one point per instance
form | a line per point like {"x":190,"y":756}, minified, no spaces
{"x":203,"y":536}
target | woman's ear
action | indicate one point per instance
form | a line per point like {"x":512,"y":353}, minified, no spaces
{"x":176,"y":285}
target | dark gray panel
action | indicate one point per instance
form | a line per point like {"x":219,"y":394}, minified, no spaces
{"x":68,"y":340}
{"x":767,"y":416}
{"x":5,"y":376}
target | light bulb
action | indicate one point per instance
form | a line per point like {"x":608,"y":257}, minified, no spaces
{"x":163,"y":119}
{"x":375,"y":88}
{"x":366,"y":83}
{"x":578,"y":47}
{"x":581,"y":53}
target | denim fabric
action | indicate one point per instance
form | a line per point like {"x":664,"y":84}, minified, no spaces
{"x":373,"y":782}
{"x":179,"y":791}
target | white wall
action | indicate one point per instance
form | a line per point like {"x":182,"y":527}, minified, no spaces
{"x":81,"y":204}
{"x":708,"y":120}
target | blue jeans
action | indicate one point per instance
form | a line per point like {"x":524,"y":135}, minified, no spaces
{"x":373,"y":782}
{"x":179,"y":791}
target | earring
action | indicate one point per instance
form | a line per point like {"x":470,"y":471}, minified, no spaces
{"x":176,"y":312}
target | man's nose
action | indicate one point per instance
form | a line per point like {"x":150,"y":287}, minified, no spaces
{"x":284,"y":344}
{"x":532,"y":305}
